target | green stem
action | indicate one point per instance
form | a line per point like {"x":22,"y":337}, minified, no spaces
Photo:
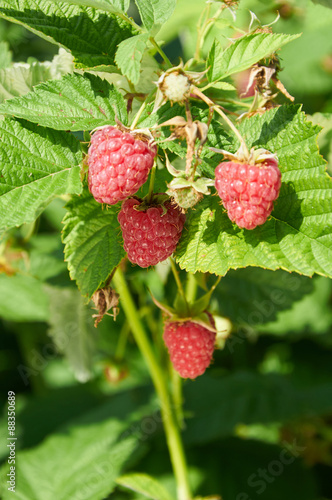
{"x":122,"y":342}
{"x":232,"y":127}
{"x":237,"y":103}
{"x":161,"y":52}
{"x":191,"y":288}
{"x":151,"y":185}
{"x":177,"y":397}
{"x":200,"y":28}
{"x":173,"y":437}
{"x":177,"y":279}
{"x":138,"y":115}
{"x":229,"y":122}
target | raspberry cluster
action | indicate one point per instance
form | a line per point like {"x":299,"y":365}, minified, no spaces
{"x":118,"y":163}
{"x":150,"y":235}
{"x":248,"y":191}
{"x":190,"y":346}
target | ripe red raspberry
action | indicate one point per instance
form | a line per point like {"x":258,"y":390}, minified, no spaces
{"x":190,"y":346}
{"x":248,"y":191}
{"x":118,"y":165}
{"x":150,"y":235}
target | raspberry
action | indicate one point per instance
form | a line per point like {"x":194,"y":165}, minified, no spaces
{"x":118,"y":165}
{"x":190,"y":346}
{"x":150,"y":235}
{"x":248,"y":191}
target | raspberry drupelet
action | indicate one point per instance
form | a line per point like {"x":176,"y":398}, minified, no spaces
{"x":118,"y":163}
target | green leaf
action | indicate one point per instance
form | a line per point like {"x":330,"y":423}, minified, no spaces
{"x":256,"y":296}
{"x":82,"y":462}
{"x":93,"y":244}
{"x":112,"y":6}
{"x":326,"y":3}
{"x":251,"y":399}
{"x":129,"y":56}
{"x":308,"y":317}
{"x":74,"y":103}
{"x":223,"y":86}
{"x":5,"y":55}
{"x":20,"y":78}
{"x":45,"y":260}
{"x":297,"y":236}
{"x":72,"y":330}
{"x":91,"y":35}
{"x":243,"y":53}
{"x":281,"y":467}
{"x":36,"y":164}
{"x":155,"y":13}
{"x":22,"y":298}
{"x":144,"y":484}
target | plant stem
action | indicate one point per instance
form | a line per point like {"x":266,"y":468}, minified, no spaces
{"x":177,"y":397}
{"x":138,"y":115}
{"x":177,"y":279}
{"x":122,"y":342}
{"x":151,"y":185}
{"x":173,"y":437}
{"x":200,"y":29}
{"x":229,"y":122}
{"x":161,"y":52}
{"x":191,"y":287}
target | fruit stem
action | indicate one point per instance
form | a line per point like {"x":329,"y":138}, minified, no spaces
{"x":138,"y":115}
{"x":178,"y":281}
{"x":173,"y":436}
{"x":161,"y":52}
{"x":229,"y":122}
{"x":235,"y":130}
{"x":151,"y":185}
{"x":191,"y":288}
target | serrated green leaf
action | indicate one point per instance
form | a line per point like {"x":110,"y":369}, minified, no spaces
{"x":20,"y":78}
{"x":112,"y":6}
{"x":93,"y":244}
{"x":74,"y":103}
{"x":91,"y":35}
{"x":243,"y":53}
{"x":82,"y":462}
{"x":144,"y":484}
{"x":155,"y":13}
{"x":129,"y":56}
{"x":297,"y":236}
{"x":36,"y":164}
{"x":22,"y":299}
{"x":72,"y":330}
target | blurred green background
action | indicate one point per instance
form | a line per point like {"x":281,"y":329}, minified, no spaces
{"x":80,"y":389}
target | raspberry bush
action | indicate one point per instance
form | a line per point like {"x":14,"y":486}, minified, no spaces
{"x":203,"y":168}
